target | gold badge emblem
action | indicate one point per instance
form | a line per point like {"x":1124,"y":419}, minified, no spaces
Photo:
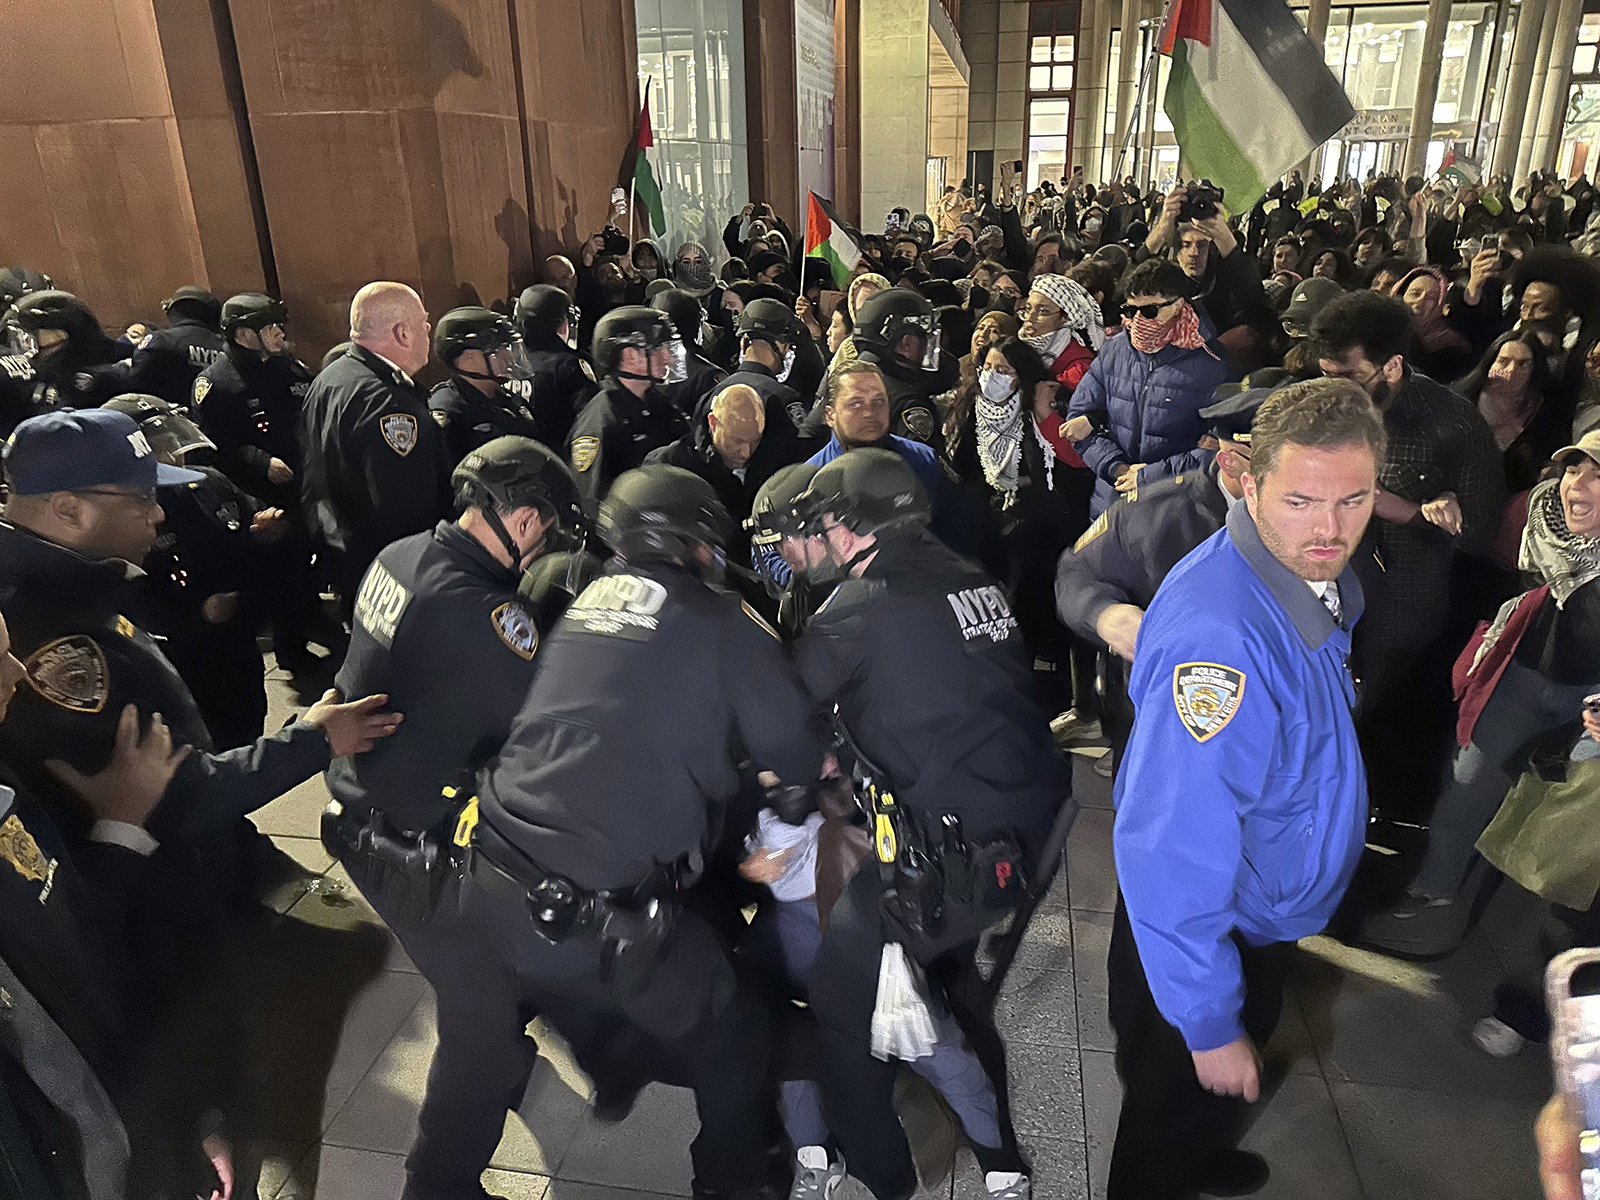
{"x":1101,"y":524}
{"x":1207,"y":696}
{"x":400,"y":431}
{"x":202,"y":385}
{"x":71,"y":673}
{"x":516,"y":629}
{"x":584,"y":451}
{"x":19,"y":849}
{"x":440,"y":417}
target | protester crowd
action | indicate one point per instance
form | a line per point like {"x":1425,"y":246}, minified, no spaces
{"x":1044,"y":364}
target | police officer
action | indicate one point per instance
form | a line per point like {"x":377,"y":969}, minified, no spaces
{"x":635,"y":349}
{"x":603,"y":797}
{"x":1106,"y":581}
{"x":474,"y":405}
{"x":700,"y":373}
{"x":82,"y":509}
{"x":547,"y":372}
{"x":920,"y":652}
{"x":777,"y":547}
{"x":440,"y":628}
{"x":768,"y":333}
{"x":249,"y":404}
{"x":203,"y":578}
{"x":18,"y":384}
{"x":167,"y":361}
{"x":896,"y":330}
{"x":249,"y":401}
{"x":76,"y":364}
{"x":1244,"y":742}
{"x":375,"y":461}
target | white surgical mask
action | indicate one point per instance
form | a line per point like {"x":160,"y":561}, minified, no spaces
{"x":995,"y":386}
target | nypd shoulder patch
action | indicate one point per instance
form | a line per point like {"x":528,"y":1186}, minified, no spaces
{"x":71,"y":673}
{"x":400,"y":431}
{"x":584,"y":451}
{"x":918,"y":423}
{"x":202,"y":387}
{"x":1207,"y":697}
{"x":516,"y":629}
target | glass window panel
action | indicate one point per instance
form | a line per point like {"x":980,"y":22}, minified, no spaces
{"x":1041,"y":50}
{"x":1063,"y":79}
{"x":1048,"y":118}
{"x":1589,"y":31}
{"x":1583,"y":60}
{"x":1039,"y":79}
{"x":1064,"y":48}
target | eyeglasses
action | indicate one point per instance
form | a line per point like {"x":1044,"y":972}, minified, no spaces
{"x":143,"y":496}
{"x":1147,"y":311}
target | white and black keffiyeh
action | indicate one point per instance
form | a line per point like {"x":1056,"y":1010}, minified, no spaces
{"x":1563,"y":559}
{"x":999,"y":436}
{"x":1084,"y":320}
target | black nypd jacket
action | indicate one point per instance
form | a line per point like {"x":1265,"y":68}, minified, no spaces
{"x":438,"y":625}
{"x":651,"y":690}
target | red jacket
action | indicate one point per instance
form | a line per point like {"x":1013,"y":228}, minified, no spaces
{"x":1069,"y":368}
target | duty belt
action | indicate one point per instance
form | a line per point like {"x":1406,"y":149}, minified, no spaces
{"x":559,"y":907}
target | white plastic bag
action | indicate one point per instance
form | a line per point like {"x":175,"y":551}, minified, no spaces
{"x":902,"y":1026}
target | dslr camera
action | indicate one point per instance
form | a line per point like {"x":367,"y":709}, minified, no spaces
{"x":613,"y":240}
{"x":1200,"y":202}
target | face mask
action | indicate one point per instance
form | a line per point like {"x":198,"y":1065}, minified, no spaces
{"x":788,"y":364}
{"x":995,"y":386}
{"x":1092,"y":225}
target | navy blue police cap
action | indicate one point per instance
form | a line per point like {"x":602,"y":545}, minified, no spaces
{"x":77,"y":450}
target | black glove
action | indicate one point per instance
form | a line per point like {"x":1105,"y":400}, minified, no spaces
{"x":792,"y":804}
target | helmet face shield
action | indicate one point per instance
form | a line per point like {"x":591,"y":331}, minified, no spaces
{"x":930,"y":353}
{"x":677,"y":362}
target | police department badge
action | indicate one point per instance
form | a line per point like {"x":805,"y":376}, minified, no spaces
{"x":584,"y":451}
{"x":147,"y":341}
{"x":919,"y":423}
{"x":19,"y":849}
{"x":202,"y":385}
{"x":797,"y":413}
{"x":400,"y":431}
{"x":1207,"y":696}
{"x":71,"y":673}
{"x":516,"y":629}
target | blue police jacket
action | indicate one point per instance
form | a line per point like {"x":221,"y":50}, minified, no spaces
{"x":1241,"y":799}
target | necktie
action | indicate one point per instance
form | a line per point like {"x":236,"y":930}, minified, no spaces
{"x":1330,"y":599}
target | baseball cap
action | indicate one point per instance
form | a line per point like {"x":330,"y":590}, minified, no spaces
{"x":76,"y":450}
{"x":1588,"y":444}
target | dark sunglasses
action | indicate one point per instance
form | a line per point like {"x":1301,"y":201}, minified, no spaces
{"x":1147,"y":311}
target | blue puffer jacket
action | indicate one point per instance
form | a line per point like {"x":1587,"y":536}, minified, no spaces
{"x":1152,"y":403}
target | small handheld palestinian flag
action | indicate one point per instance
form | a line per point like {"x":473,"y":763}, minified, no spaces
{"x":1249,"y":94}
{"x":831,"y":240}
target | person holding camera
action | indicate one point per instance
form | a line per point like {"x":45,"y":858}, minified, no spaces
{"x":1194,"y":232}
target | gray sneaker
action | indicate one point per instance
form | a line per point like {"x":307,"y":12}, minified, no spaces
{"x":812,"y":1183}
{"x":1021,"y":1190}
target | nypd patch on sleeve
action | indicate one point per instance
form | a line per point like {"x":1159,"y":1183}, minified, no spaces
{"x":516,"y":629}
{"x":1207,"y":696}
{"x":400,"y":431}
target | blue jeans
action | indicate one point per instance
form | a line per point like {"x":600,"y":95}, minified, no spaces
{"x":1523,"y":704}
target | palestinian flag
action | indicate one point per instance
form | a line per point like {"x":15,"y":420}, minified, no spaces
{"x":831,"y":240}
{"x":645,"y":188}
{"x":1460,"y":170}
{"x":1249,"y":95}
